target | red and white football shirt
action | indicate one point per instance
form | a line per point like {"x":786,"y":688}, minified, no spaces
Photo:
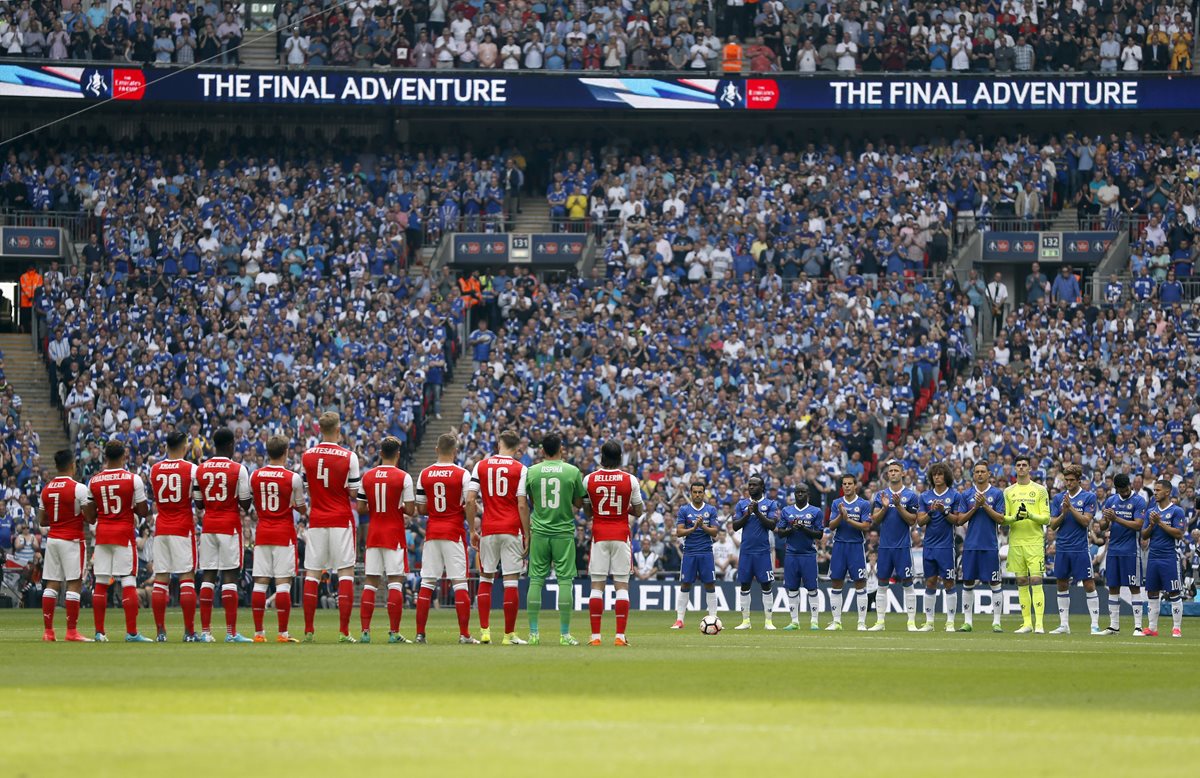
{"x":386,"y":490}
{"x":611,"y":493}
{"x":173,"y":482}
{"x":499,"y":481}
{"x":276,"y":491}
{"x":333,"y":477}
{"x":221,"y":484}
{"x":62,"y":501}
{"x":115,"y":493}
{"x":442,"y":489}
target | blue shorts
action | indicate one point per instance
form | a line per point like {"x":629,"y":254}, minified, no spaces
{"x":698,"y":566}
{"x":983,"y":566}
{"x":755,"y":565}
{"x":848,"y":561}
{"x":894,"y":563}
{"x":1072,"y":565}
{"x":939,"y":563}
{"x":1123,"y":570}
{"x":1162,"y":575}
{"x":800,"y":569}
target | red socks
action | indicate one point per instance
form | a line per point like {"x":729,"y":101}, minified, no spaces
{"x":366,"y":606}
{"x":258,"y":605}
{"x":423,"y":599}
{"x":49,"y":602}
{"x":462,"y":605}
{"x":129,"y":601}
{"x":283,"y":606}
{"x":483,"y":601}
{"x":345,"y":604}
{"x":310,"y":603}
{"x":187,"y":602}
{"x":622,"y":608}
{"x":395,"y":605}
{"x":596,"y":610}
{"x":207,"y":592}
{"x":512,"y":603}
{"x":72,"y":612}
{"x":158,"y":604}
{"x":99,"y":605}
{"x":229,"y":599}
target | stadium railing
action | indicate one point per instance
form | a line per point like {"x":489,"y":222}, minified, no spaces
{"x":75,"y":225}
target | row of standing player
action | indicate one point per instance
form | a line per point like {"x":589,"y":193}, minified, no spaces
{"x":1024,"y":507}
{"x":219,"y":490}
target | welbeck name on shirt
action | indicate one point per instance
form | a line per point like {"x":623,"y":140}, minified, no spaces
{"x":352,"y":89}
{"x":951,"y":93}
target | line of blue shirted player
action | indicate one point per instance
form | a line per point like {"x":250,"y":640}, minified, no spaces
{"x":756,"y":516}
{"x":801,"y":525}
{"x":1071,"y":514}
{"x":697,"y":523}
{"x":894,"y":512}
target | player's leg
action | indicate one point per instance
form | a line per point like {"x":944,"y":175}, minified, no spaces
{"x":1113,"y":581}
{"x":1092,"y":596}
{"x":74,"y":590}
{"x":621,"y":565}
{"x":1175,"y":597}
{"x":539,"y":568}
{"x":791,"y":585}
{"x":885,"y":565}
{"x":431,"y":573}
{"x":262,"y":570}
{"x":395,"y":608}
{"x":512,"y":563}
{"x":209,"y":564}
{"x":1037,"y":571}
{"x":229,"y":594}
{"x":49,"y":603}
{"x":366,"y":604}
{"x":766,"y":581}
{"x":599,"y":567}
{"x":930,"y":567}
{"x":860,"y":596}
{"x":454,"y":559}
{"x":837,"y":581}
{"x":948,"y":585}
{"x":1138,"y":598}
{"x":707,"y":573}
{"x":53,"y":574}
{"x":1062,"y":577}
{"x":562,"y":549}
{"x":343,"y":546}
{"x":904,"y":560}
{"x":808,"y":577}
{"x":102,"y":573}
{"x":1154,"y":586}
{"x":1018,"y":565}
{"x":745,"y":577}
{"x":316,"y":561}
{"x":187,"y":590}
{"x":489,"y":558}
{"x":687,"y":575}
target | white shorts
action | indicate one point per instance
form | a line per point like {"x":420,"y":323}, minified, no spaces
{"x":388,"y":561}
{"x":174,"y":554}
{"x":63,"y":560}
{"x":445,"y":557}
{"x":611,"y":557}
{"x":329,"y":548}
{"x":114,"y":561}
{"x":220,"y":552}
{"x":500,"y":551}
{"x":274,"y":561}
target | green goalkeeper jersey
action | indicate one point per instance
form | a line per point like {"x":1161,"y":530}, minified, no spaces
{"x":552,"y":487}
{"x":1030,"y":531}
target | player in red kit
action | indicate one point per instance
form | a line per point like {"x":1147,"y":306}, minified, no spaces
{"x":222,"y":492}
{"x":387,"y":499}
{"x":65,"y":505}
{"x":278,"y":495}
{"x":120,"y":497}
{"x":502,"y":533}
{"x":441,"y":494}
{"x":333,"y":477}
{"x":614,"y":501}
{"x":172,"y":482}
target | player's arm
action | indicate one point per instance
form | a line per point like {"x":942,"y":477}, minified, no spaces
{"x":922,"y":512}
{"x":878,"y":509}
{"x":471,"y":504}
{"x":1041,"y":508}
{"x":299,"y":498}
{"x":41,"y":520}
{"x":580,"y":492}
{"x":838,"y":515}
{"x":770,"y":518}
{"x":140,"y":506}
{"x":680,"y":530}
{"x":408,"y":497}
{"x":1083,"y":517}
{"x":815,"y":532}
{"x":740,"y":521}
{"x":244,"y":495}
{"x":1014,"y":509}
{"x":992,"y":513}
{"x":87,"y":506}
{"x":908,"y":516}
{"x":1058,"y":514}
{"x":353,"y":476}
{"x":523,"y":511}
{"x":637,"y":505}
{"x":1175,"y":532}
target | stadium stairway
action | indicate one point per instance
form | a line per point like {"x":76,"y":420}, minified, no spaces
{"x":1065,"y":221}
{"x":452,"y":398}
{"x":258,"y":51}
{"x":24,"y":369}
{"x":534,"y":215}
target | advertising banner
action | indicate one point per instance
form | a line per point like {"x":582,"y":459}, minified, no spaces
{"x":574,"y":91}
{"x":33,"y":242}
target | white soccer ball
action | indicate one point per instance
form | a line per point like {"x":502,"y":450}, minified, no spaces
{"x":710,"y":625}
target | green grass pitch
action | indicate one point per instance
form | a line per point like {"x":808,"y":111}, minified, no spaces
{"x":676,"y":703}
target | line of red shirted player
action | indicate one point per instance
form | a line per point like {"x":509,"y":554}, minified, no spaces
{"x":328,"y":491}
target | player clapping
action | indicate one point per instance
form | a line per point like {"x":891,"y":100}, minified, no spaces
{"x":1071,"y":514}
{"x":277,"y":493}
{"x":756,"y":516}
{"x":983,"y":512}
{"x":1026,"y":514}
{"x":1167,"y":526}
{"x":1124,"y":514}
{"x":894,"y":511}
{"x":850,"y":517}
{"x":801,"y":524}
{"x":938,"y":513}
{"x":697,"y":523}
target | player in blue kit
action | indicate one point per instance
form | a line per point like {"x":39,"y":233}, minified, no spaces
{"x":1166,"y":527}
{"x":756,"y":517}
{"x":982,"y":510}
{"x":894,"y":511}
{"x":850,"y":517}
{"x":1124,"y":515}
{"x":802,"y":525}
{"x":938,"y":512}
{"x":697,"y":523}
{"x":1071,"y":513}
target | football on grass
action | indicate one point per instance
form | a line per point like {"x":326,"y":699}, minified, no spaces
{"x":710,"y":625}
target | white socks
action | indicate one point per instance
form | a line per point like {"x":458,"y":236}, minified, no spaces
{"x":1177,"y":612}
{"x":997,"y":603}
{"x":930,"y":604}
{"x":951,"y":605}
{"x":812,"y":605}
{"x":1155,"y":607}
{"x":1064,"y":608}
{"x":745,"y":604}
{"x":766,"y":598}
{"x":969,"y":604}
{"x":881,"y":602}
{"x":862,"y":605}
{"x":1139,"y":606}
{"x":794,"y":604}
{"x":683,"y":595}
{"x":1093,"y":603}
{"x":910,"y":602}
{"x":710,"y":599}
{"x":835,"y":604}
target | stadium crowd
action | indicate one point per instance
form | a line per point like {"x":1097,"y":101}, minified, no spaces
{"x":757,"y":309}
{"x":659,"y":35}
